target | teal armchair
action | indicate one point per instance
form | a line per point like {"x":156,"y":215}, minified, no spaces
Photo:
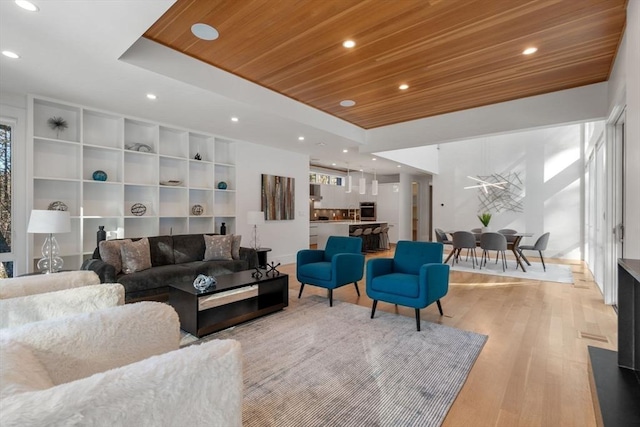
{"x":340,"y":263}
{"x":415,"y":277}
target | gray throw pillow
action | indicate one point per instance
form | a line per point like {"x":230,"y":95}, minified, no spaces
{"x":136,"y":256}
{"x":235,"y":248}
{"x":218,"y":247}
{"x":110,"y":252}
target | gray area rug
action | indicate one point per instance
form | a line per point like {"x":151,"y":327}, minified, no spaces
{"x":315,"y":365}
{"x":554,"y":273}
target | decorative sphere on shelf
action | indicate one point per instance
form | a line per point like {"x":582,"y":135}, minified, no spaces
{"x":138,"y":209}
{"x":197,"y":210}
{"x":99,"y":175}
{"x":222,"y":185}
{"x":57,"y":206}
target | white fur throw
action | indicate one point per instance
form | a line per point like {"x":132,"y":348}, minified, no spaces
{"x":51,"y":305}
{"x":39,"y":283}
{"x":78,"y":346}
{"x":112,"y":368}
{"x":200,"y":385}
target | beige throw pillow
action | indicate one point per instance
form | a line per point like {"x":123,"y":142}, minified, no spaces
{"x":110,"y":252}
{"x":235,"y":247}
{"x":136,"y":256}
{"x":218,"y":247}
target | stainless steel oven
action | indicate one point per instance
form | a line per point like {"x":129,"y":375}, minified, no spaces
{"x":368,"y":211}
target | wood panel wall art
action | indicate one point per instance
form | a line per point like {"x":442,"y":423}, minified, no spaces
{"x":278,"y":197}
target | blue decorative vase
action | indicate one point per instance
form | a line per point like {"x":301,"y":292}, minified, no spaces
{"x":99,"y":176}
{"x":222,"y":185}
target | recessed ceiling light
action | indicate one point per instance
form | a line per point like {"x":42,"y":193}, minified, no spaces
{"x":27,"y":5}
{"x":333,"y":164}
{"x":399,"y":166}
{"x":234,"y":119}
{"x":10,"y":54}
{"x":347,"y":103}
{"x":529,"y":50}
{"x":320,"y":144}
{"x":151,"y":96}
{"x":348,"y":44}
{"x":204,"y":31}
{"x":403,"y":86}
{"x":374,"y":159}
{"x":345,"y":151}
{"x":301,"y":138}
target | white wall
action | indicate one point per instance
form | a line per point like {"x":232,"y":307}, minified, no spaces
{"x":632,"y":159}
{"x":285,"y":238}
{"x":550,"y":166}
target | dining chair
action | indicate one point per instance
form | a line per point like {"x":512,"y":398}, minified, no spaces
{"x":493,"y":242}
{"x":464,"y":240}
{"x":540,"y":245}
{"x":509,"y":233}
{"x":442,"y":237}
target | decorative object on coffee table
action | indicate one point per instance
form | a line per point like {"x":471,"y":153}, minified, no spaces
{"x":99,"y":175}
{"x":257,"y":274}
{"x":197,"y":210}
{"x":57,"y":206}
{"x":203,"y":282}
{"x":138,"y":209}
{"x":58,"y":124}
{"x":223,"y":229}
{"x":271,"y":268}
{"x":100,"y":235}
{"x":222,"y":185}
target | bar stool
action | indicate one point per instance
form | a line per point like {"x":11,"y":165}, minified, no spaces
{"x":375,"y":239}
{"x":366,"y":239}
{"x":384,"y":238}
{"x":356,"y":233}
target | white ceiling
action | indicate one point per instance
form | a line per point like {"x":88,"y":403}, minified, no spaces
{"x":91,"y":53}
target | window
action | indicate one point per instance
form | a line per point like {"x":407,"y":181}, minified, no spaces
{"x":6,"y":264}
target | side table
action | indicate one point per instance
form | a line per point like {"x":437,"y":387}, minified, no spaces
{"x":262,"y":257}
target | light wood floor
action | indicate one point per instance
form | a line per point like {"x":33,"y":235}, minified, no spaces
{"x":533,"y":370}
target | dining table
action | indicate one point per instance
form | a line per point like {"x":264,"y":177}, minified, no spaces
{"x":512,"y":245}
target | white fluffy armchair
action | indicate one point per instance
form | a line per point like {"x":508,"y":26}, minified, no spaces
{"x":49,"y":296}
{"x":118,"y":367}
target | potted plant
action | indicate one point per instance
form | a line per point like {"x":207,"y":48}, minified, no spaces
{"x":485,"y":218}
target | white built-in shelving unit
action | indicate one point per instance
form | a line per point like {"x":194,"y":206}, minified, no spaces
{"x":63,"y":164}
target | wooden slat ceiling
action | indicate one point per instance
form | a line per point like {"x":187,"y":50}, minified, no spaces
{"x":454,"y":54}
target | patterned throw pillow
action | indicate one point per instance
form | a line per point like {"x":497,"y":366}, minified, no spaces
{"x":235,"y":248}
{"x":218,"y":247}
{"x":110,"y":252}
{"x":136,"y":256}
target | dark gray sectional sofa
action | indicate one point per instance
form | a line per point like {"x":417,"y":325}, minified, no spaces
{"x":173,"y":258}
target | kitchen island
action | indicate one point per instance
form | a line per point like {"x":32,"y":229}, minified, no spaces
{"x":340,"y":228}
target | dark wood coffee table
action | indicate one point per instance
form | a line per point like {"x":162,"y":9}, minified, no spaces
{"x":236,"y":298}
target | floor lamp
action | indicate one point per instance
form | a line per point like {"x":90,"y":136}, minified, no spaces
{"x":255,"y":218}
{"x":49,"y":222}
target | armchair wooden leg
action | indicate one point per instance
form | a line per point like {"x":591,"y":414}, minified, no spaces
{"x":357,"y":290}
{"x":373,"y":309}
{"x":418,"y":319}
{"x":330,"y":297}
{"x":439,"y":307}
{"x":301,"y":288}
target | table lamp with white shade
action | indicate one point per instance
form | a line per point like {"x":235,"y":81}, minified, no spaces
{"x":255,"y":218}
{"x":49,"y":222}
